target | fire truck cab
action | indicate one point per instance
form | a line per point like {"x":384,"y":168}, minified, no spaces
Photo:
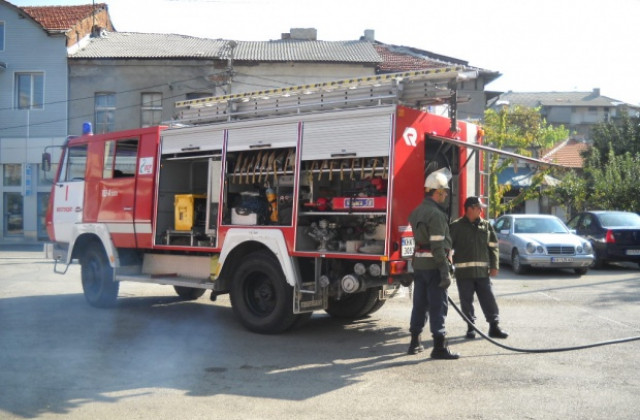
{"x":291,"y":200}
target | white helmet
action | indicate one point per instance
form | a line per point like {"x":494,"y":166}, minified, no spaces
{"x":438,"y":179}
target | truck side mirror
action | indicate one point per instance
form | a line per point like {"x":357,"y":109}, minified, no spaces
{"x":46,"y":162}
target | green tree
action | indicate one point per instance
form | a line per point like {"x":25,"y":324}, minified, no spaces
{"x":525,"y":131}
{"x":619,"y":135}
{"x":611,"y":170}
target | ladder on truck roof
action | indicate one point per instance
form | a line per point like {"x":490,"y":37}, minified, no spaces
{"x":415,"y":89}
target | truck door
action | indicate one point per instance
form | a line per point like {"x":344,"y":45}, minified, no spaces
{"x":115,"y":202}
{"x":68,"y":193}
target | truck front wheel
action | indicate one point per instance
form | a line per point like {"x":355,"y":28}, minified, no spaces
{"x":260,"y":295}
{"x":100,"y":290}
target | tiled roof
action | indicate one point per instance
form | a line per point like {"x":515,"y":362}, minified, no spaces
{"x":303,"y":50}
{"x":535,"y":99}
{"x":398,"y":58}
{"x":61,"y":18}
{"x":138,"y":45}
{"x":567,"y":153}
{"x":142,"y":45}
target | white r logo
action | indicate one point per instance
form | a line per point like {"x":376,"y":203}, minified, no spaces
{"x":410,"y":136}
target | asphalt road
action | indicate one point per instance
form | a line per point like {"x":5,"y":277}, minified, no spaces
{"x":156,"y":357}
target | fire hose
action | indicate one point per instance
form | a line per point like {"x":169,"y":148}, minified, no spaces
{"x":551,"y":350}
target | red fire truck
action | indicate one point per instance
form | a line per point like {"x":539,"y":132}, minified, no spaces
{"x":291,"y":200}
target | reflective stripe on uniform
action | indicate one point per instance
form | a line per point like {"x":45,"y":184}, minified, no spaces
{"x":472,"y":264}
{"x":493,"y":244}
{"x":436,"y":238}
{"x":423,"y":254}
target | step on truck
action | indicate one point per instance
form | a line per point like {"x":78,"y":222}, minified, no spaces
{"x":290,"y":200}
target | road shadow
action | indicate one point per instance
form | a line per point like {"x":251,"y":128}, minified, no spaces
{"x":58,"y":353}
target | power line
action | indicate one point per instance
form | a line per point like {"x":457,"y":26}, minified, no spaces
{"x":273,"y":83}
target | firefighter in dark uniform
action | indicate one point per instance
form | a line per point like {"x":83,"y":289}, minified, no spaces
{"x":475,"y":258}
{"x":431,"y":266}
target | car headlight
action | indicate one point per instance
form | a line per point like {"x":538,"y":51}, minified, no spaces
{"x":531,"y":247}
{"x":579,"y":249}
{"x":587,"y":248}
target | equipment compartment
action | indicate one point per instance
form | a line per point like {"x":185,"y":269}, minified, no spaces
{"x":345,"y":209}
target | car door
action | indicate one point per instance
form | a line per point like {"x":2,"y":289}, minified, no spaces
{"x":502,"y":228}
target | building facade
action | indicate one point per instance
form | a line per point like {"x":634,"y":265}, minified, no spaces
{"x":579,"y":112}
{"x":34,"y":84}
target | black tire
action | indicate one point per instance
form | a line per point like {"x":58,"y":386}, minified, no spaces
{"x":99,"y":288}
{"x":353,"y":306}
{"x":598,"y":262}
{"x":581,"y":270}
{"x":188,"y":293}
{"x":260,"y":295}
{"x":516,"y":264}
{"x":379,"y":304}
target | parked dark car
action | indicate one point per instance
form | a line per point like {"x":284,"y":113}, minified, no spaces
{"x":614,"y":235}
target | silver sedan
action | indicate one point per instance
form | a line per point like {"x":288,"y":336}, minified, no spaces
{"x":539,"y":240}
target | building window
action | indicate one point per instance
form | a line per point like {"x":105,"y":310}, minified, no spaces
{"x":29,"y":90}
{"x":12,"y":175}
{"x":46,"y":178}
{"x":43,"y":202}
{"x":151,"y":109}
{"x":105,"y":112}
{"x":13,"y":205}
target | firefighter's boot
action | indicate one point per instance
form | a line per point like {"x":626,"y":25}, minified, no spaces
{"x":496,"y":332}
{"x":471,"y":332}
{"x":440,"y":349}
{"x":416,"y":344}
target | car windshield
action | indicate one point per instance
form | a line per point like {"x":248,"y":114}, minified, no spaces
{"x":539,"y":225}
{"x":619,"y":219}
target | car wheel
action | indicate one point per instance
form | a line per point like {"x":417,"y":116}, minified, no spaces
{"x":580,"y":271}
{"x":516,"y":264}
{"x":598,"y":262}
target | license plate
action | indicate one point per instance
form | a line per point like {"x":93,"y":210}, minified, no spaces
{"x":633,"y":251}
{"x":408,"y":246}
{"x":561,"y":260}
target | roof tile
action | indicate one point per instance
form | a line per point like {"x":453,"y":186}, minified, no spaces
{"x":61,"y":17}
{"x":567,"y":153}
{"x":144,"y":45}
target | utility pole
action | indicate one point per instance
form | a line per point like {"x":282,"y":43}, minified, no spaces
{"x":231,"y":44}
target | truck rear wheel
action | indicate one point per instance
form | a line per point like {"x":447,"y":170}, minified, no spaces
{"x":188,"y":293}
{"x":261,"y":296}
{"x":99,"y":288}
{"x":354,"y":306}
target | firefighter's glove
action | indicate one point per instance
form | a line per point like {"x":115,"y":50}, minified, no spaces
{"x":445,"y":276}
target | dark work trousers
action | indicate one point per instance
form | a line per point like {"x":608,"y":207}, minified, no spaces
{"x":429,"y":302}
{"x":482,"y":287}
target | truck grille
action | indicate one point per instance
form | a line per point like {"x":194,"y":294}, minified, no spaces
{"x":561,"y":250}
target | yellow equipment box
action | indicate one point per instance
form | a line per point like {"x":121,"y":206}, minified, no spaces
{"x":189,"y":209}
